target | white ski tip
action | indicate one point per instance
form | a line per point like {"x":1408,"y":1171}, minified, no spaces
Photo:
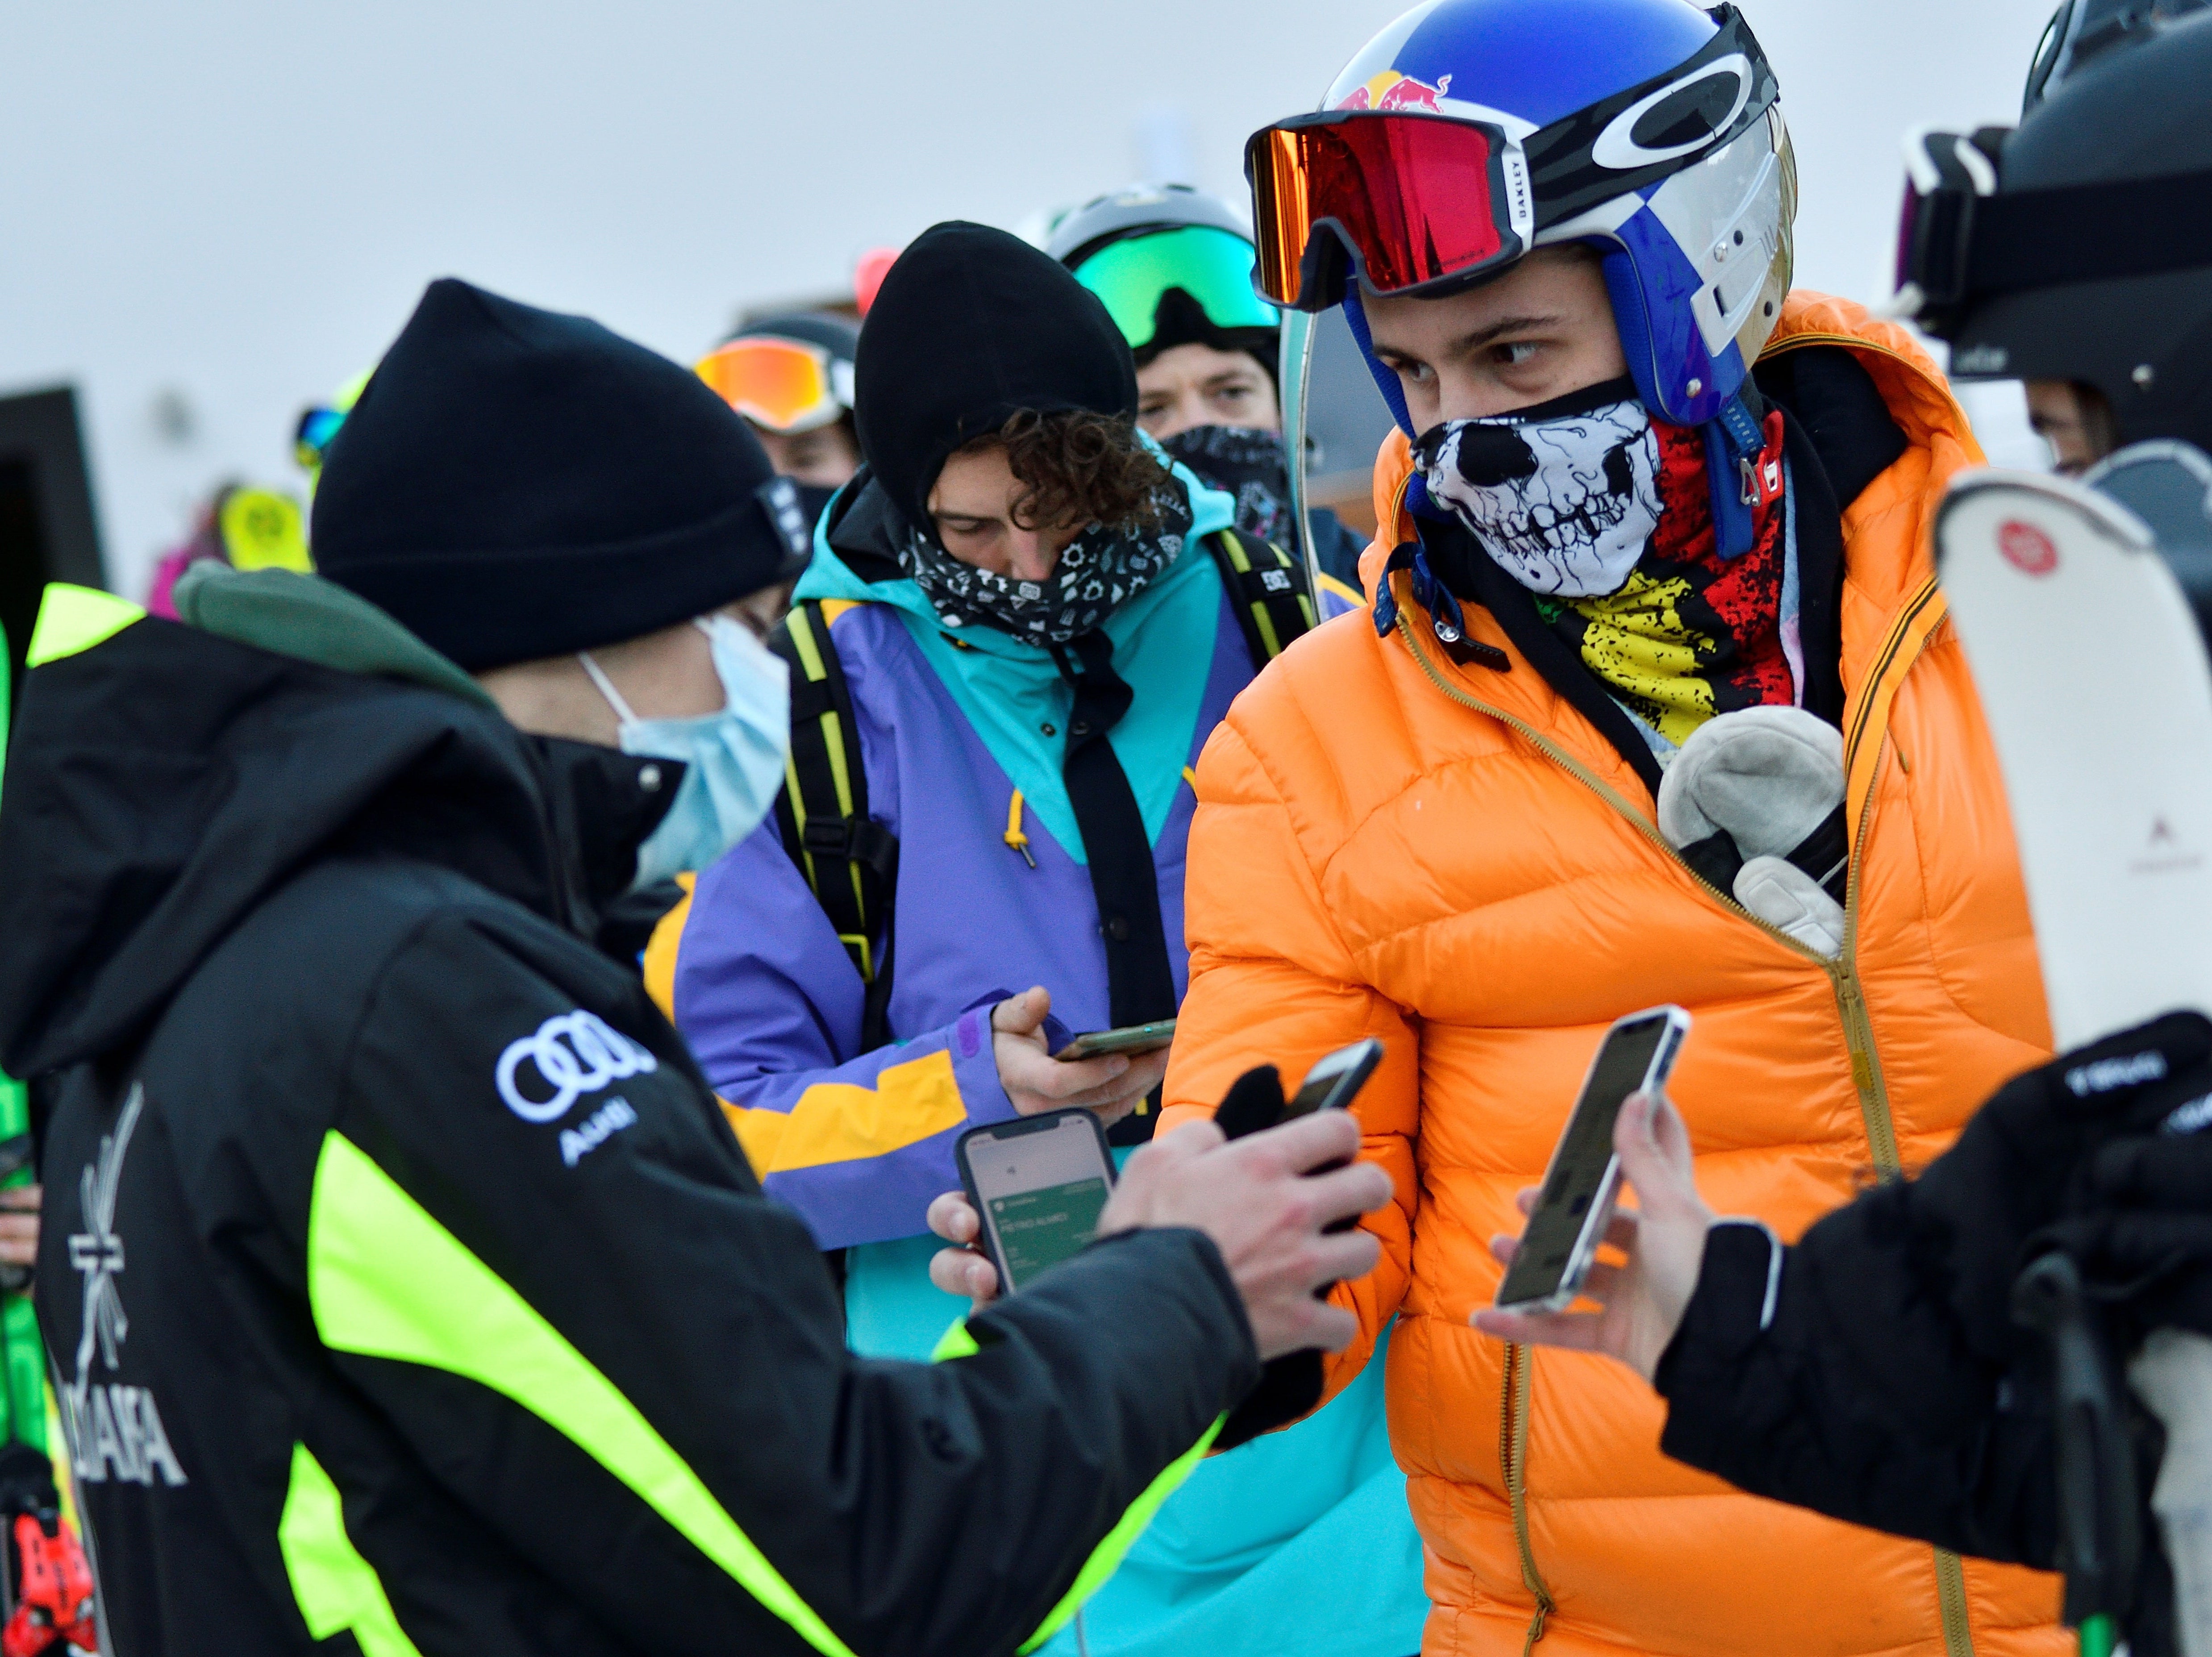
{"x":2092,"y":678}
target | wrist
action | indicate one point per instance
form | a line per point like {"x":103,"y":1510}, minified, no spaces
{"x":1731,"y":1304}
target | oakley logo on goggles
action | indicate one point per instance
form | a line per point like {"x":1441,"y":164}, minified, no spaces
{"x":1412,"y":200}
{"x":1959,"y":241}
{"x":786,"y":385}
{"x":1214,"y":266}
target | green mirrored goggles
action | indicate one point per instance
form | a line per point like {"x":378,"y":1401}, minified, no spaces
{"x":1214,"y":267}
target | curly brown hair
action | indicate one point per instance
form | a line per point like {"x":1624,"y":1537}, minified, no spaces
{"x":1079,"y":467}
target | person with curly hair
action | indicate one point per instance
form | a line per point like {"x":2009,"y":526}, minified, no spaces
{"x":1028,"y":605}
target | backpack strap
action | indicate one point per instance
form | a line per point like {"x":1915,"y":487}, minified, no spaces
{"x":849,"y":859}
{"x":1266,"y":588}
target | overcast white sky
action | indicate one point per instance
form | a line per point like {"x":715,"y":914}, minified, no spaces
{"x":234,"y":203}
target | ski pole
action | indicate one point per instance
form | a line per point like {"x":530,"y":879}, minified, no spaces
{"x":2098,"y":1540}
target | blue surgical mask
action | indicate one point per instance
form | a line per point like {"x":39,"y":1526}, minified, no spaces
{"x":732,"y":760}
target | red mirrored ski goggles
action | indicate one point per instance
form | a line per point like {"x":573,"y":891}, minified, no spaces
{"x":1408,"y":199}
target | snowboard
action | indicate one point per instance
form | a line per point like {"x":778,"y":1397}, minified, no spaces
{"x":2094,"y":678}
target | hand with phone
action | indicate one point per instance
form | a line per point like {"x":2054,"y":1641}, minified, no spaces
{"x":1108,"y":1085}
{"x":1278,"y":1203}
{"x":1641,"y":1300}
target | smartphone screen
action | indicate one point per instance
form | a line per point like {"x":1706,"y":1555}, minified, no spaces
{"x":1582,"y":1162}
{"x":1041,"y":1192}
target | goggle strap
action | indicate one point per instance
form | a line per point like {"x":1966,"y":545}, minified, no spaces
{"x":2086,"y":232}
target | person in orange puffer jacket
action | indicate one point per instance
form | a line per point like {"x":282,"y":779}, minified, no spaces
{"x":1439,"y":822}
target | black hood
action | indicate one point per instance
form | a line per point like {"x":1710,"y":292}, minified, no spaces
{"x":160,"y":784}
{"x":971,"y":326}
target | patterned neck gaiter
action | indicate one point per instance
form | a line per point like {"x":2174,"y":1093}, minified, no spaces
{"x":1100,"y":570}
{"x":1605,"y":516}
{"x":1247,"y":464}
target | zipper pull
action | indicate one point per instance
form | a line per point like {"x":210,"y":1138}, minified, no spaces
{"x":1014,"y":836}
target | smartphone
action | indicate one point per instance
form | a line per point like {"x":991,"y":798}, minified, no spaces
{"x":1039,"y":1183}
{"x":1334,"y":1079}
{"x":1130,"y":1038}
{"x":1562,"y":1236}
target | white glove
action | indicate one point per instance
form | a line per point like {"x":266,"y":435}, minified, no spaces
{"x":1788,"y":899}
{"x":1768,"y":775}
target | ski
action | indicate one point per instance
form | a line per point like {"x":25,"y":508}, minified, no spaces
{"x":2094,"y":677}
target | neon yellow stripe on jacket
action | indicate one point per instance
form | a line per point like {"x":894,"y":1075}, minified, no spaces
{"x":659,"y":961}
{"x":73,"y":619}
{"x":842,"y":1122}
{"x":385,"y":1280}
{"x":1351,"y":596}
{"x":338,"y":1590}
{"x":1105,"y":1559}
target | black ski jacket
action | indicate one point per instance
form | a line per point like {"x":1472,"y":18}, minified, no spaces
{"x":404,"y":1280}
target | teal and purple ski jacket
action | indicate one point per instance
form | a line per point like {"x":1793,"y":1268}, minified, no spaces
{"x":961,"y":736}
{"x":962,"y":741}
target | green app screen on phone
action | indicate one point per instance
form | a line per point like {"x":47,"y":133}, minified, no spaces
{"x":1041,"y":1229}
{"x":1042,"y":1187}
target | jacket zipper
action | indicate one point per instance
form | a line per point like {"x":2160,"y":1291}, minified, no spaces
{"x":1513,"y":1452}
{"x":1866,"y":1078}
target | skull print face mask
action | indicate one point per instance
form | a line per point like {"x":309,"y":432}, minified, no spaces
{"x":1564,"y":496}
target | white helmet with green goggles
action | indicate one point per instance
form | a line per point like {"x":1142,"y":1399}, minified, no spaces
{"x":1172,"y":265}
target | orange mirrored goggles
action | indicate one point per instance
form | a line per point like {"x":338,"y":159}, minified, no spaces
{"x":786,"y":385}
{"x":1403,"y":200}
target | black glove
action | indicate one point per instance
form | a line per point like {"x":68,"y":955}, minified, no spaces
{"x":2141,"y":1226}
{"x":1256,"y":1102}
{"x":1290,"y":1385}
{"x":2028,"y":1159}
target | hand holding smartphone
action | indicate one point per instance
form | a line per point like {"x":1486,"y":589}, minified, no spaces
{"x":1037,"y":1185}
{"x":1130,"y":1038}
{"x":1584,"y":1176}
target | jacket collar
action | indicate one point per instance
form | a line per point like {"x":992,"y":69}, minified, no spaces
{"x":1888,"y":561}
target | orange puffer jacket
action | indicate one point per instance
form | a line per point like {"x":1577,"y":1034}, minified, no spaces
{"x":1453,"y":859}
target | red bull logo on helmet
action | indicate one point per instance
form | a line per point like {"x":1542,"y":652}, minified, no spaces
{"x":1391,"y":91}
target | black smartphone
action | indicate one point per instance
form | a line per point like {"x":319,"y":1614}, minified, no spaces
{"x":1039,"y":1183}
{"x":1335,"y":1079}
{"x":1562,"y":1236}
{"x":1129,"y":1038}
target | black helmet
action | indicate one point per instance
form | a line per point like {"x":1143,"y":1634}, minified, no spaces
{"x":2080,"y":29}
{"x":2079,"y":246}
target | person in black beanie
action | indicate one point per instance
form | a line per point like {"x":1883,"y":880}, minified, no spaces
{"x":1020,"y":625}
{"x":404,"y":1278}
{"x":1174,"y":266}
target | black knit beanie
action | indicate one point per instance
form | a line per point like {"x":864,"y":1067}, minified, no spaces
{"x":513,"y":483}
{"x":1179,"y":319}
{"x":971,"y":324}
